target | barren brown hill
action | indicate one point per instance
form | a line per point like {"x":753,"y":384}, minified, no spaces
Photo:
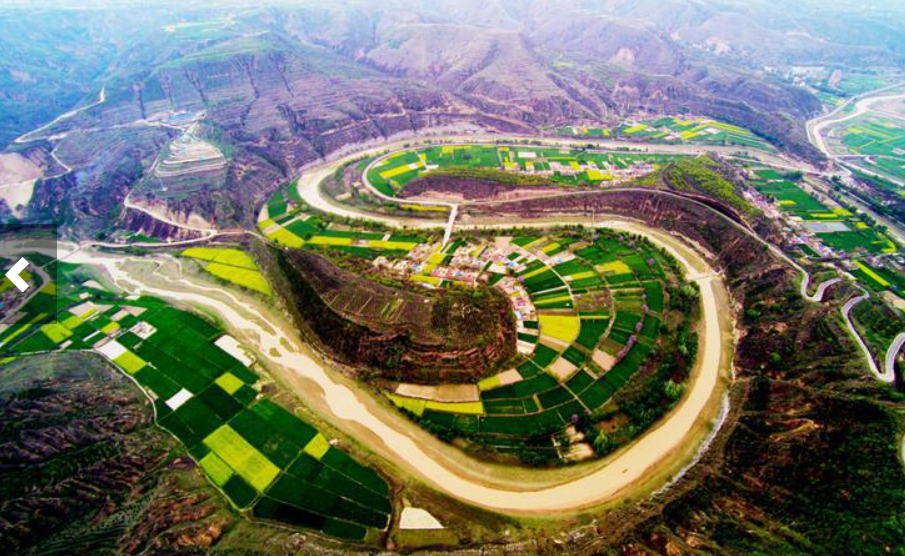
{"x":496,"y":66}
{"x":285,"y":86}
{"x":385,"y":331}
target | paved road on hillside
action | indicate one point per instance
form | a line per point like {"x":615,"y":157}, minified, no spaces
{"x":846,"y":314}
{"x":889,"y":365}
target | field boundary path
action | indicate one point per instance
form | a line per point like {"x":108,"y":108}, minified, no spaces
{"x":450,"y":224}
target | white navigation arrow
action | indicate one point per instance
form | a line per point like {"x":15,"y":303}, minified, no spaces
{"x":15,"y":271}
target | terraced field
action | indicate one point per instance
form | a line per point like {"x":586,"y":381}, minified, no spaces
{"x":588,"y":315}
{"x":288,"y":225}
{"x":565,"y":166}
{"x":673,"y":129}
{"x":264,"y":459}
{"x":188,"y":164}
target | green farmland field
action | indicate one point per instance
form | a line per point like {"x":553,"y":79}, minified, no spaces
{"x":562,"y":378}
{"x":242,"y":457}
{"x":677,"y":130}
{"x":880,"y":137}
{"x":858,"y":239}
{"x":791,"y":198}
{"x":853,"y":234}
{"x":294,"y":228}
{"x":231,"y":265}
{"x":565,"y":166}
{"x":249,"y":447}
{"x":874,"y":135}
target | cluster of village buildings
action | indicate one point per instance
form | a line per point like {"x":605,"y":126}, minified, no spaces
{"x":494,"y":261}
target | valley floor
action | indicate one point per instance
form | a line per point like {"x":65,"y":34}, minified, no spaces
{"x":642,"y":466}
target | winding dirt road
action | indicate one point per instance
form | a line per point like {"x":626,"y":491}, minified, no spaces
{"x":28,"y":137}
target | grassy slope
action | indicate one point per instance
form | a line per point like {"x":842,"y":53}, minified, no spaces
{"x":701,"y":175}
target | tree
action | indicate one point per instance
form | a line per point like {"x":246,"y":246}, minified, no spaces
{"x":673,"y":390}
{"x":689,"y":291}
{"x":603,"y":444}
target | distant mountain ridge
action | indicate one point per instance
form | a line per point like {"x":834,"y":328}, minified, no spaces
{"x":286,"y":86}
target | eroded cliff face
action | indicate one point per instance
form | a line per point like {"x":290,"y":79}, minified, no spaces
{"x":456,"y":188}
{"x":276,"y":111}
{"x":391,"y":332}
{"x":660,"y":209}
{"x":144,"y":224}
